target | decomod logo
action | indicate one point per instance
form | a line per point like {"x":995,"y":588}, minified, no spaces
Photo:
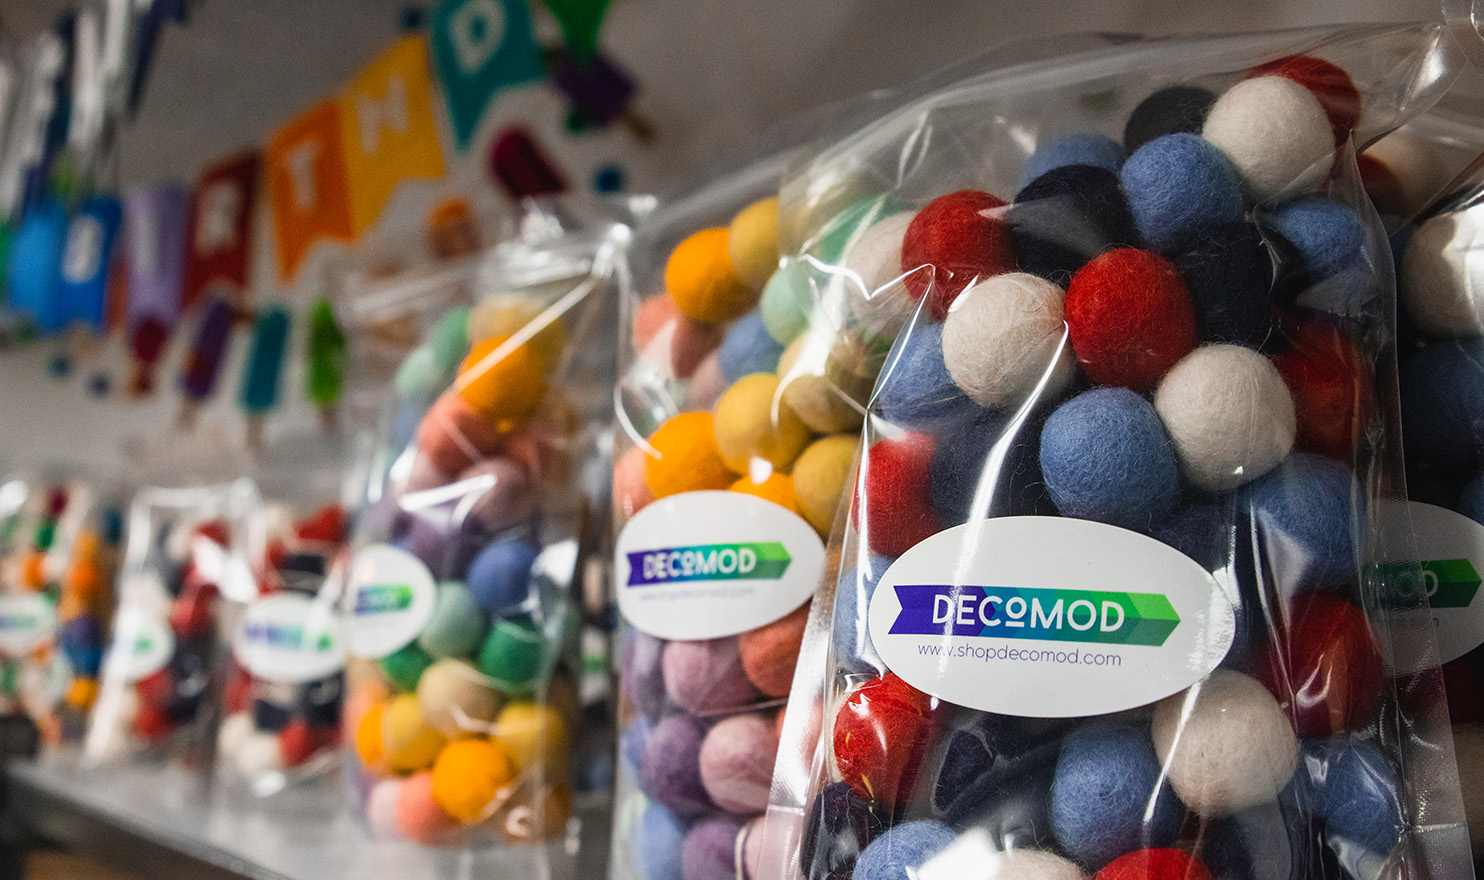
{"x":382,"y":598}
{"x":278,"y":635}
{"x":708,"y":562}
{"x":1035,"y":613}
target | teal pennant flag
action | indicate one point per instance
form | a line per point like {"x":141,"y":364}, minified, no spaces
{"x":480,"y":47}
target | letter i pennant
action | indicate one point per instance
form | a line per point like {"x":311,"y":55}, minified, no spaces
{"x":480,"y":47}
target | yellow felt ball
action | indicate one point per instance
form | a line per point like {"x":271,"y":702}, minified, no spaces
{"x":505,"y":314}
{"x":534,"y":736}
{"x":502,"y":384}
{"x":456,"y":698}
{"x":820,"y":477}
{"x":81,"y":692}
{"x":777,"y":488}
{"x":409,"y":742}
{"x":534,"y":813}
{"x":752,"y":422}
{"x":702,"y":281}
{"x":752,"y":242}
{"x":468,"y":775}
{"x":685,"y":457}
{"x":822,"y":385}
{"x":369,"y":741}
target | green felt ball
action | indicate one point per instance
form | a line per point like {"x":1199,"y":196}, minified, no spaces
{"x":841,"y":231}
{"x":405,"y":666}
{"x":511,"y":655}
{"x":420,"y":376}
{"x":458,"y":624}
{"x":788,"y":300}
{"x":450,"y":338}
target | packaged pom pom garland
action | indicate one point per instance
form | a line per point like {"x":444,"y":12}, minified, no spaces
{"x":1106,"y":601}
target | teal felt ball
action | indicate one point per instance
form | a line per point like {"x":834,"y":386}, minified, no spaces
{"x":511,"y":655}
{"x":458,"y":624}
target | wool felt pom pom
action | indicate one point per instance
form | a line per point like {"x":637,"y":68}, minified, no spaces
{"x":770,"y":652}
{"x":709,"y":850}
{"x":748,"y":348}
{"x":1171,"y":110}
{"x":1081,"y":148}
{"x":952,"y":242}
{"x":753,"y":424}
{"x":1330,"y":84}
{"x":630,"y":484}
{"x":467,"y":776}
{"x":1304,"y":513}
{"x":1225,"y":744}
{"x":1356,"y":791}
{"x":852,"y":637}
{"x":455,"y":698}
{"x":1154,"y":864}
{"x":687,"y":458}
{"x":827,"y":379}
{"x":820,"y":475}
{"x":507,"y":314}
{"x":788,"y":300}
{"x":967,"y":756}
{"x":1067,"y":216}
{"x":1178,"y":187}
{"x":1276,"y":134}
{"x":841,"y":824}
{"x":404,"y":666}
{"x":894,"y":508}
{"x":1129,"y":318}
{"x":458,"y":623}
{"x":1229,"y":273}
{"x":453,"y":435}
{"x":1229,"y":414}
{"x":752,"y":242}
{"x":420,"y":375}
{"x":707,"y":384}
{"x":497,"y":494}
{"x":658,"y":839}
{"x":1334,"y":399}
{"x":1007,"y":335}
{"x":706,"y":677}
{"x":967,"y":458}
{"x":669,"y":339}
{"x":878,"y":739}
{"x":1108,"y":797}
{"x":1443,"y":403}
{"x":534,"y":736}
{"x":1328,"y":236}
{"x":874,"y":291}
{"x":409,"y":742}
{"x":670,"y":768}
{"x":381,"y":809}
{"x":1323,"y":665}
{"x":777,"y":488}
{"x":1105,"y":457}
{"x":1011,"y":802}
{"x":502,"y":384}
{"x":701,"y":279}
{"x":419,"y":817}
{"x":737,"y":763}
{"x":499,"y":577}
{"x":900,"y":851}
{"x":915,"y":390}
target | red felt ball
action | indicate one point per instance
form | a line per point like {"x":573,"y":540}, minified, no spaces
{"x":770,"y":653}
{"x":1329,"y":83}
{"x":192,"y":612}
{"x":1382,"y":184}
{"x":299,"y":741}
{"x":237,"y":695}
{"x":1129,"y":318}
{"x":327,"y":525}
{"x":880,"y":738}
{"x":962,"y":236}
{"x":215,"y":530}
{"x":153,"y":723}
{"x":1334,"y":399}
{"x":1154,"y":864}
{"x":894,"y":510}
{"x":155,"y":689}
{"x":1323,"y":667}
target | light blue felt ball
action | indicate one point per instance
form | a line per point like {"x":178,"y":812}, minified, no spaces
{"x":1083,"y":148}
{"x":1107,"y":782}
{"x":1305,"y":510}
{"x":657,"y":841}
{"x":788,"y":300}
{"x":499,"y":577}
{"x":748,"y":348}
{"x":1328,"y":236}
{"x":898,"y":853}
{"x":915,"y":390}
{"x":1178,"y":186}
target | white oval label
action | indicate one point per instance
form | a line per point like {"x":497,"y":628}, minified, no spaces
{"x":391,"y":598}
{"x":25,"y":622}
{"x":704,"y":565}
{"x":289,"y":638}
{"x":1049,"y":617}
{"x":142,"y":644}
{"x":1451,"y":549}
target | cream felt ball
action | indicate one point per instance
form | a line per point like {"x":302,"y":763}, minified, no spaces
{"x":875,"y":293}
{"x":737,"y":763}
{"x":1225,"y":744}
{"x":454,"y":697}
{"x":1277,"y":135}
{"x":1229,"y":414}
{"x":1442,"y":275}
{"x":1004,"y":336}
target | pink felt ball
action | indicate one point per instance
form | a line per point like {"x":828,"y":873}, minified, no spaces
{"x":453,"y":435}
{"x":381,"y":809}
{"x":425,"y":475}
{"x":496,"y":495}
{"x":418,"y":815}
{"x":706,"y":677}
{"x":630,"y":485}
{"x":665,"y":337}
{"x":706,"y":384}
{"x":737,"y":763}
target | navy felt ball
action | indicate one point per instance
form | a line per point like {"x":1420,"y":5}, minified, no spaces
{"x":965,"y":458}
{"x":1266,"y":842}
{"x":966,"y":756}
{"x":1073,"y":149}
{"x":1353,"y":786}
{"x":320,"y":701}
{"x":658,"y":839}
{"x":1168,"y":111}
{"x":1105,"y":457}
{"x":1067,"y":216}
{"x":853,"y":594}
{"x":841,"y":825}
{"x":1304,"y":511}
{"x":1229,"y":273}
{"x":499,"y":577}
{"x":1328,"y":236}
{"x":1011,"y":803}
{"x":915,"y":390}
{"x":1179,"y":186}
{"x":898,"y":853}
{"x":1107,"y":781}
{"x":1471,"y":500}
{"x":1443,"y":403}
{"x":748,"y":348}
{"x":269,"y":716}
{"x":81,"y":639}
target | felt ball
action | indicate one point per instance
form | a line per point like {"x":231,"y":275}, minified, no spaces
{"x":1067,"y":216}
{"x":853,"y":592}
{"x":1359,"y":793}
{"x":748,"y":348}
{"x":641,"y":673}
{"x":381,"y":809}
{"x":823,"y":384}
{"x":966,"y":757}
{"x":1178,"y":187}
{"x":268,"y":715}
{"x":1323,"y":665}
{"x":631,"y":741}
{"x":512,"y":654}
{"x":752,"y":423}
{"x":736,"y":762}
{"x":840,"y":825}
{"x":835,"y":236}
{"x":1334,"y":399}
{"x":709,"y":850}
{"x":777,"y":488}
{"x":1108,"y":796}
{"x":1130,"y":318}
{"x":1327,"y":81}
{"x":1413,"y":170}
{"x":707,"y":677}
{"x":419,"y":817}
{"x":1268,"y":842}
{"x":1229,"y":415}
{"x":369,"y":743}
{"x":878,"y":739}
{"x":752,"y":242}
{"x":701,"y":279}
{"x":497,"y":494}
{"x":257,"y":755}
{"x":499,"y":576}
{"x":534,"y":736}
{"x":667,"y":338}
{"x":1010,"y":803}
{"x":686,"y":457}
{"x":404,"y":666}
{"x":433,"y":539}
{"x":894,"y":509}
{"x":1304,"y":513}
{"x":1328,"y":236}
{"x":820,"y":474}
{"x":1105,"y":457}
{"x":1229,"y":273}
{"x":967,"y":458}
{"x":458,"y":623}
{"x":1276,"y":134}
{"x":502,"y":381}
{"x":916,"y":390}
{"x":770,"y":652}
{"x":409,"y":741}
{"x":503,"y":315}
{"x":1082,"y":148}
{"x":1225,"y":744}
{"x":874,"y":290}
{"x":670,"y":768}
{"x":467,"y":776}
{"x":707,"y":384}
{"x":900,"y":851}
{"x":788,"y":300}
{"x":453,"y":435}
{"x":1154,"y":864}
{"x":456,"y":699}
{"x":1468,"y":748}
{"x":1442,"y":390}
{"x":299,"y":741}
{"x":630,"y":484}
{"x":954,"y":241}
{"x":420,"y":375}
{"x":1006,"y":336}
{"x":658,"y":839}
{"x":1171,"y":110}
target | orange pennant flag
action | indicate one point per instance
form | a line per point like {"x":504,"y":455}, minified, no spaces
{"x":307,"y":182}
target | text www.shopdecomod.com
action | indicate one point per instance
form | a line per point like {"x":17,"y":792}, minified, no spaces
{"x":1075,"y":657}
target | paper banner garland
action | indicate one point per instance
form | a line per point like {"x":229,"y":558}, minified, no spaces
{"x":480,"y":47}
{"x":222,"y":209}
{"x":86,"y":260}
{"x":580,"y":21}
{"x":307,"y":185}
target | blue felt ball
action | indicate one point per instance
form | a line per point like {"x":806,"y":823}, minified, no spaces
{"x":1304,"y":511}
{"x":81,"y":639}
{"x":967,"y":455}
{"x":631,"y":742}
{"x":1471,"y":500}
{"x":1443,"y":403}
{"x":499,"y":577}
{"x":1208,"y":533}
{"x":1085,"y":148}
{"x":915,"y":390}
{"x":657,"y":841}
{"x":841,"y":824}
{"x":1179,"y":186}
{"x":1107,"y":780}
{"x":1067,"y":216}
{"x":967,"y":756}
{"x":897,"y":854}
{"x":748,"y":348}
{"x":853,"y":594}
{"x":1167,"y":111}
{"x":1105,"y":457}
{"x":1228,"y":270}
{"x":1353,"y":787}
{"x":1328,"y":236}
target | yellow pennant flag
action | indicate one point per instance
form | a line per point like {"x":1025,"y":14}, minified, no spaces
{"x":387,"y":128}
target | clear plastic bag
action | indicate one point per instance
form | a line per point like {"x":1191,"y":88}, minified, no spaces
{"x":1108,"y":603}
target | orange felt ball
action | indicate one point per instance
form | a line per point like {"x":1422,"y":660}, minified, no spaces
{"x":665,"y":336}
{"x":453,"y":435}
{"x":468,"y":775}
{"x":687,"y":458}
{"x":502,"y":382}
{"x":369,"y":743}
{"x":770,"y":653}
{"x":33,"y":570}
{"x":418,"y":815}
{"x":704,"y":283}
{"x":777,"y":488}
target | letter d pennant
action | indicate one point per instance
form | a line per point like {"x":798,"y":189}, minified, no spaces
{"x":480,"y":47}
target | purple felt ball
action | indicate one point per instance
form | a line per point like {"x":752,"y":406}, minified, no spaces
{"x":431,"y":538}
{"x":706,"y":677}
{"x":710,"y":850}
{"x":737,"y":763}
{"x":670,"y":768}
{"x":497,"y":494}
{"x":642,"y":673}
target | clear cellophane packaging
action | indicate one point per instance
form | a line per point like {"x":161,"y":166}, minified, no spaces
{"x":1108,"y":600}
{"x":481,"y":514}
